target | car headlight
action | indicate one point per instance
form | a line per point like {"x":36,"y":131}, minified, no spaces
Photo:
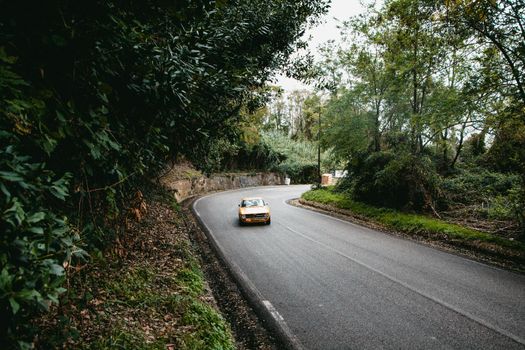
{"x":243,"y":216}
{"x":267,"y":215}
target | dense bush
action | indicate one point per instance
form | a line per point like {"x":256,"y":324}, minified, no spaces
{"x":401,"y":180}
{"x":299,"y":173}
{"x":243,"y":156}
{"x":396,"y":180}
{"x":496,"y":195}
{"x":298,"y":158}
{"x":96,"y":97}
{"x":477,"y":185}
{"x":34,"y":241}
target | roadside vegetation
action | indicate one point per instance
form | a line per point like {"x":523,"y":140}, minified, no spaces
{"x":423,"y":104}
{"x":427,"y":107}
{"x":147,"y":292}
{"x":421,"y":226}
{"x":299,"y":160}
{"x":97,"y":98}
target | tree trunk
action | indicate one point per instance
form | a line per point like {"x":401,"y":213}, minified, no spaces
{"x":460,"y":145}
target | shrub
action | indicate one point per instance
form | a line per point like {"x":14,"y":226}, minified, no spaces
{"x":96,"y":97}
{"x":258,"y":156}
{"x":299,"y":172}
{"x":35,"y":241}
{"x":392,"y":180}
{"x":517,"y":200}
{"x":471,"y":186}
{"x":298,"y":158}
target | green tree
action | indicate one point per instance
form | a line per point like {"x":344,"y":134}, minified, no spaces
{"x":502,"y":25}
{"x":97,"y":97}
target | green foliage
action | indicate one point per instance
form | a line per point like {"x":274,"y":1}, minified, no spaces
{"x":122,"y":339}
{"x":501,"y":208}
{"x":410,"y":223}
{"x":96,"y":98}
{"x":210,"y":329}
{"x":259,"y":156}
{"x":421,"y":91}
{"x":507,"y":153}
{"x":346,"y":127}
{"x":474,"y":147}
{"x":121,"y":299}
{"x":218,"y":152}
{"x":228,"y":156}
{"x":131,"y":288}
{"x":299,"y":173}
{"x":517,"y":202}
{"x":478,"y":184}
{"x":299,"y":158}
{"x":35,"y":240}
{"x":192,"y":280}
{"x":497,"y":196}
{"x":500,"y":23}
{"x":297,"y":151}
{"x":311,"y":108}
{"x":397,"y":180}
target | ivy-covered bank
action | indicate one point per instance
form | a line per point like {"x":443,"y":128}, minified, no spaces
{"x":96,"y":97}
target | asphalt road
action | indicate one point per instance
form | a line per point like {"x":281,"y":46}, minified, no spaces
{"x":338,"y":285}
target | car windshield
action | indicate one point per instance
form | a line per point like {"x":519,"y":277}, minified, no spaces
{"x":252,"y":203}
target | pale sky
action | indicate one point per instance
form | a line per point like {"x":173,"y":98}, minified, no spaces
{"x":340,"y":10}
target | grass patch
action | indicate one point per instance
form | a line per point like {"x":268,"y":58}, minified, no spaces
{"x":408,"y":223}
{"x":209,"y":331}
{"x":191,"y":281}
{"x":131,"y":287}
{"x":123,"y":339}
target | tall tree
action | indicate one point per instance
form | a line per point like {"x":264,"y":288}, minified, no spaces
{"x":502,"y":24}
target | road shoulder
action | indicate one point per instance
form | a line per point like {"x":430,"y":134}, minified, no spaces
{"x":252,"y":323}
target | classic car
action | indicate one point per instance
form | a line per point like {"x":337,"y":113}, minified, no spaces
{"x":254,"y":210}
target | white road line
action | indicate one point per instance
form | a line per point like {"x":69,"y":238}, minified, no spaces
{"x":288,"y":334}
{"x":476,"y":319}
{"x":415,"y":290}
{"x":273,"y":311}
{"x":350,"y":223}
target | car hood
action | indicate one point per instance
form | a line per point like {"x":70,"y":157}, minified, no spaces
{"x":254,"y":210}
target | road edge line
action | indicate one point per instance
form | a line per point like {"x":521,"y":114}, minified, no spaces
{"x":267,"y":313}
{"x":421,"y":293}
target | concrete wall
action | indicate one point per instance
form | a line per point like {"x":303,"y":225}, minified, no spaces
{"x":184,"y":188}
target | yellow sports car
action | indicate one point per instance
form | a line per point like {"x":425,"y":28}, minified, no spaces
{"x":254,"y":210}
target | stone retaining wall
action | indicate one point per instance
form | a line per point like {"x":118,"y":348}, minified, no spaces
{"x":185,"y":188}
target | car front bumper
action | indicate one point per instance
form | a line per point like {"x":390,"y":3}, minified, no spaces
{"x":254,"y":220}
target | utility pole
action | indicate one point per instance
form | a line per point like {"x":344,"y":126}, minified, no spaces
{"x":319,"y":147}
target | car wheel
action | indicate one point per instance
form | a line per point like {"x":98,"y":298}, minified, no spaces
{"x":241,"y":223}
{"x":268,"y":222}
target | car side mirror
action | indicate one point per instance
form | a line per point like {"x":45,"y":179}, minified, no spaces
{"x":266,"y":203}
{"x":238,"y":205}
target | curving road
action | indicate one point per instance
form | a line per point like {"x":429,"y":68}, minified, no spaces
{"x":338,"y":285}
